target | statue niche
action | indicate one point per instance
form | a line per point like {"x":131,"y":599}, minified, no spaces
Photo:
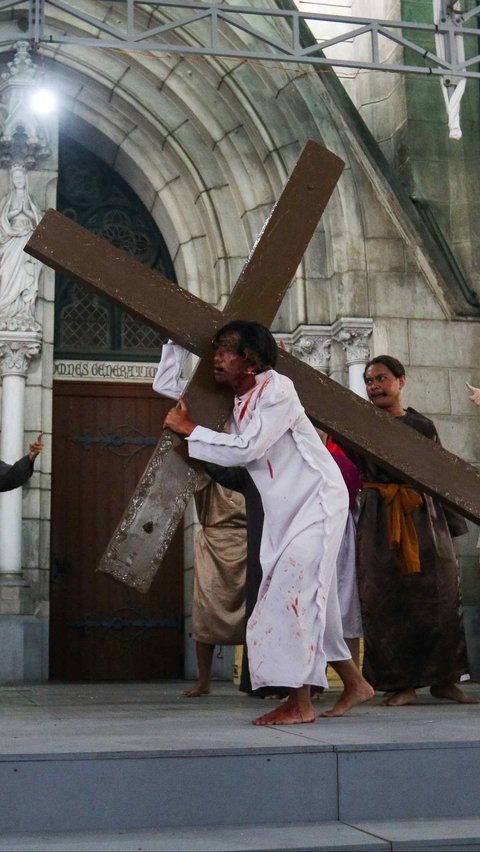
{"x":19,"y":273}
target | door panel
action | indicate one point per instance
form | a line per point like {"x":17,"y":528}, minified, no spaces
{"x":100,"y":629}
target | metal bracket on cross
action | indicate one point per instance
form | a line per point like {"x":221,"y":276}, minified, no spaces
{"x":145,"y":530}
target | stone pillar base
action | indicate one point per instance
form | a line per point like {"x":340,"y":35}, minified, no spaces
{"x":15,"y":596}
{"x":24,"y":644}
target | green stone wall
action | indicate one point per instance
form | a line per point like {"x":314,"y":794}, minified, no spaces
{"x":442,"y":171}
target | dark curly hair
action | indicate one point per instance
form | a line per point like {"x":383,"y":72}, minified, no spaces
{"x":255,"y":341}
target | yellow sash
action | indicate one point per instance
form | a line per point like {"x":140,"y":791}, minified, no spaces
{"x":402,"y":535}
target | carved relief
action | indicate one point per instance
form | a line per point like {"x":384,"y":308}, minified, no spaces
{"x":23,"y":134}
{"x":314,"y":349}
{"x":15,"y":356}
{"x":19,"y":273}
{"x":354,"y":342}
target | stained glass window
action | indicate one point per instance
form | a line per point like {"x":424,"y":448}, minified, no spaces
{"x":86,"y":325}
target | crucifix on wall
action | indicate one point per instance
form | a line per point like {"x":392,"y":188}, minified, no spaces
{"x":145,"y":530}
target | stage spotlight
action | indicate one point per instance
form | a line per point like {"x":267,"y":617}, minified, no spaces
{"x":43,"y":101}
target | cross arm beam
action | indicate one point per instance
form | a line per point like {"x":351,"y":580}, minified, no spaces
{"x":78,"y":254}
{"x":364,"y":428}
{"x":110,"y":271}
{"x":144,"y":532}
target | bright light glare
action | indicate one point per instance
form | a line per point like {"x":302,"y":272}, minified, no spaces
{"x":43,"y":101}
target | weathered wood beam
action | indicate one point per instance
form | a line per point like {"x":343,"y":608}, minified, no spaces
{"x":159,"y":501}
{"x":57,"y":243}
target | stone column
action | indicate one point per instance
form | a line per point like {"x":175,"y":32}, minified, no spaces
{"x":15,"y":354}
{"x":353,"y":334}
{"x":28,"y":155}
{"x":23,"y":144}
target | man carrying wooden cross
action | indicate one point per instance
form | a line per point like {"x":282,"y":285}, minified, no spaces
{"x":296,"y":625}
{"x":144,"y":532}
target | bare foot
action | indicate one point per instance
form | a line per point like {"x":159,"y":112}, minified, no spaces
{"x":449,"y":690}
{"x":351,"y":697}
{"x":197,"y":691}
{"x":289,"y":713}
{"x":400,"y":698}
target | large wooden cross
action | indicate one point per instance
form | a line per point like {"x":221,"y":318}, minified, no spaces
{"x":143,"y":534}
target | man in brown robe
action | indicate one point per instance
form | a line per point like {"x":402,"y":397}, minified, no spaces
{"x":407,"y":569}
{"x":218,"y":604}
{"x":220,"y":552}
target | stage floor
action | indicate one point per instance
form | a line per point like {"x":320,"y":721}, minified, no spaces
{"x":60,"y":718}
{"x":137,"y":766}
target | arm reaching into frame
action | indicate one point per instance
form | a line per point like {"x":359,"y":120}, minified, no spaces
{"x":474,"y":394}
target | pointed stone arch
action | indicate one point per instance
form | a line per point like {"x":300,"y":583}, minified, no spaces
{"x":208,"y":148}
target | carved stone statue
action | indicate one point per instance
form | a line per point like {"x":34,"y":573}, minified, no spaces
{"x":19,"y":273}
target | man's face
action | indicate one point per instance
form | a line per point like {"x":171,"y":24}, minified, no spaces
{"x":383,"y":388}
{"x":229,"y":366}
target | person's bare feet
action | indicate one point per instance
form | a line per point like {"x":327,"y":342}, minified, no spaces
{"x":350,"y":697}
{"x":288,"y":713}
{"x":196,"y":691}
{"x":400,"y":698}
{"x":452,"y":692}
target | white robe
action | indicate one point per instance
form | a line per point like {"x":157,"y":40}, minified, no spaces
{"x":347,"y":581}
{"x":296,"y":624}
{"x":168,"y":379}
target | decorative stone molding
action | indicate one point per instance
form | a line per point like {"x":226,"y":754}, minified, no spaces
{"x":311,"y":343}
{"x":16,"y":353}
{"x":104,"y":371}
{"x":23,"y":134}
{"x":19,"y":323}
{"x":353,"y":335}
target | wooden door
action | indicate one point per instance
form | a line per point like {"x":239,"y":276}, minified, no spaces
{"x":100,"y":629}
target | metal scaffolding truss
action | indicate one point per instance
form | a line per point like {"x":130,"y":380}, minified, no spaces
{"x":246,"y":32}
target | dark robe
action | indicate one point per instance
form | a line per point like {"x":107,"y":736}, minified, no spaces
{"x":14,"y":475}
{"x":413,"y":628}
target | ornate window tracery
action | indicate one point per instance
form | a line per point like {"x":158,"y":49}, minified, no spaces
{"x":86,"y":325}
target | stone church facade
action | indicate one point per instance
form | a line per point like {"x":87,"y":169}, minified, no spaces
{"x":206,"y":144}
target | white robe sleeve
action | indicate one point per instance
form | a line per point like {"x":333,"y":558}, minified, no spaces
{"x":168,"y":379}
{"x":274,"y":414}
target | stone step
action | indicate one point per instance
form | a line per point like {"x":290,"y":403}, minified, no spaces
{"x":146,"y":766}
{"x":437,"y":835}
{"x":223,"y":787}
